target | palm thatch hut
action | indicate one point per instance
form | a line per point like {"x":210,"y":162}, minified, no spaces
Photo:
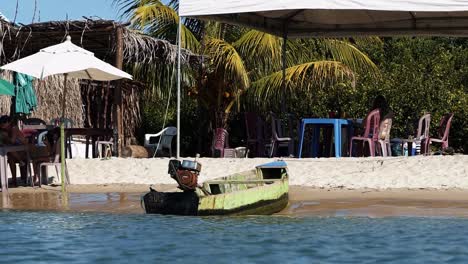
{"x":92,"y":104}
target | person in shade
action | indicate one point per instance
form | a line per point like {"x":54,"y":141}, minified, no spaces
{"x":385,"y":112}
{"x":12,"y":135}
{"x":381,"y":102}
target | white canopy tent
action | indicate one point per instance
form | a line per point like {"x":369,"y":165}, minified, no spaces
{"x":332,"y":18}
{"x":337,"y":18}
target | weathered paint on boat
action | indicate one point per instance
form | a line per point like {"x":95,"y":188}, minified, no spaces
{"x":261,"y":191}
{"x":266,"y":199}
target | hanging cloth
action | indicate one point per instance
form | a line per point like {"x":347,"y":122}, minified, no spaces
{"x":25,"y":96}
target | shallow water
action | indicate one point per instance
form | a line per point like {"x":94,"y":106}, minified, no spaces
{"x":54,"y":237}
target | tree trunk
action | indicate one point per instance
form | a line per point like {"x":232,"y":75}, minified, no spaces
{"x":135,"y":151}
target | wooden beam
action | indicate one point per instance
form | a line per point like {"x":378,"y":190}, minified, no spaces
{"x":118,"y":117}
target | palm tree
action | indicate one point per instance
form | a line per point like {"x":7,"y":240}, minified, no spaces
{"x":240,"y":60}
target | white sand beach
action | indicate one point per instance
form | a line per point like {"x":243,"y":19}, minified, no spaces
{"x":420,"y":172}
{"x":374,"y":187}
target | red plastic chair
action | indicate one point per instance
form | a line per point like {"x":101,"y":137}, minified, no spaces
{"x":220,"y":142}
{"x":444,"y":130}
{"x":255,"y":140}
{"x":371,"y":132}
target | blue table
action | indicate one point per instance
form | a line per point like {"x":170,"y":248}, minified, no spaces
{"x":337,"y":125}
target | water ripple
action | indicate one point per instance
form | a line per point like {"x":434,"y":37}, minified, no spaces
{"x":48,"y":237}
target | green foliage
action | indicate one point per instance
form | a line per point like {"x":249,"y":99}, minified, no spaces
{"x":418,"y":75}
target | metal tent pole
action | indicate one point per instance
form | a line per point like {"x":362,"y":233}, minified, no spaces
{"x":179,"y":35}
{"x":283,"y":82}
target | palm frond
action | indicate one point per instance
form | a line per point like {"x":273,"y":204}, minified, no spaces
{"x":161,"y":21}
{"x":264,"y":52}
{"x":228,"y":62}
{"x":262,"y":46}
{"x":350,"y":55}
{"x":301,"y":77}
{"x":146,"y":14}
{"x":359,"y":41}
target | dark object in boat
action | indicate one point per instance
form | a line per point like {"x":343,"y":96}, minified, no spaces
{"x":172,"y":203}
{"x":185,"y":173}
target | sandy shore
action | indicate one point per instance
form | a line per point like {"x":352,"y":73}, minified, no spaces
{"x":374,"y":187}
{"x":304,"y":201}
{"x":435,"y":172}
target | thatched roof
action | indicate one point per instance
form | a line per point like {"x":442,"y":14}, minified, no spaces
{"x":98,"y":36}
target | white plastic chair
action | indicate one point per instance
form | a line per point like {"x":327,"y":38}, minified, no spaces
{"x":384,"y":136}
{"x":54,"y":161}
{"x":165,"y":141}
{"x":105,"y":145}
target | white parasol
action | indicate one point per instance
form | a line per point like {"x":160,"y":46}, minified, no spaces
{"x":72,"y":61}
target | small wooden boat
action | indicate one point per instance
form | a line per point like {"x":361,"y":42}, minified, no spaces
{"x":261,"y":191}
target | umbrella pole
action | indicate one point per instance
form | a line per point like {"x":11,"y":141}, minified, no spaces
{"x":62,"y":135}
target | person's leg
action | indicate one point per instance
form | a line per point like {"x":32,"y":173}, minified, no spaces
{"x":12,"y":164}
{"x":37,"y":172}
{"x":21,"y":159}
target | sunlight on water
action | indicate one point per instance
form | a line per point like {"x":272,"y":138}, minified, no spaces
{"x":46,"y":237}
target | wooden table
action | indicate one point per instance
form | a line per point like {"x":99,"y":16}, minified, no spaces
{"x":92,"y":134}
{"x":4,"y":150}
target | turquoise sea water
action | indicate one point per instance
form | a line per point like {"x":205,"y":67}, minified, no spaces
{"x":51,"y":237}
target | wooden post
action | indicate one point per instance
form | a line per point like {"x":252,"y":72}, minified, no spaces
{"x":118,"y":128}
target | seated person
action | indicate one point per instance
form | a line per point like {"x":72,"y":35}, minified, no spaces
{"x":11,"y":135}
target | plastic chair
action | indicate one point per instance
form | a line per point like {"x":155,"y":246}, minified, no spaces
{"x":276,"y":140}
{"x":443,"y":132}
{"x":254,"y":128}
{"x":384,"y":136}
{"x":220,"y":142}
{"x":34,"y":123}
{"x":422,"y":134}
{"x":294,"y":125}
{"x":229,"y":153}
{"x":371,"y":132}
{"x":164,"y":141}
{"x":68,"y":123}
{"x":421,"y":140}
{"x":53,"y":160}
{"x":56,"y":122}
{"x":106,"y":147}
{"x":30,"y":126}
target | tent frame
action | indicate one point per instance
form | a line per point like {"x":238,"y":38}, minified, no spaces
{"x":333,"y":18}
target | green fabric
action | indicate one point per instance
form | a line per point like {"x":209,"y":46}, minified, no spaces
{"x":25,"y":96}
{"x":6,"y":88}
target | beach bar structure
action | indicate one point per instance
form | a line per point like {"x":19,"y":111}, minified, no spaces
{"x":332,"y":18}
{"x":106,"y":105}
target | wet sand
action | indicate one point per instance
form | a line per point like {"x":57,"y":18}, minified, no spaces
{"x":304,"y":201}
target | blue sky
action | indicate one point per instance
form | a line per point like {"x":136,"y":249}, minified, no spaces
{"x":58,"y":9}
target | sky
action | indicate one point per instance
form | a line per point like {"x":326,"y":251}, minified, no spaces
{"x":58,"y":9}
